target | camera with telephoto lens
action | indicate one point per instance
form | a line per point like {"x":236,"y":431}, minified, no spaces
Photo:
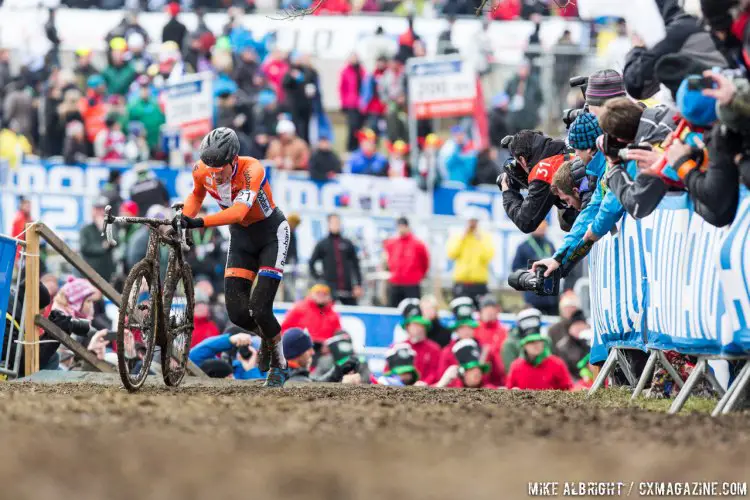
{"x":569,"y":115}
{"x":517,"y":177}
{"x":70,"y":325}
{"x":526,"y":280}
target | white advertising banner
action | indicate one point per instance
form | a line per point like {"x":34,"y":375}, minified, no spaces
{"x":441,"y":87}
{"x":189,"y":105}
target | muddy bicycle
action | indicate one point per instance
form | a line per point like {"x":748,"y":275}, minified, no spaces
{"x":155,"y":314}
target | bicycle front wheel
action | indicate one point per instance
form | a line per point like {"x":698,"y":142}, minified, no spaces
{"x":137,"y":326}
{"x":179,"y":302}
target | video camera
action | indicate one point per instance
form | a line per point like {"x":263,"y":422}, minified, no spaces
{"x":526,"y":280}
{"x":569,"y":115}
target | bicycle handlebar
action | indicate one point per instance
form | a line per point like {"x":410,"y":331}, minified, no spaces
{"x":110,"y":219}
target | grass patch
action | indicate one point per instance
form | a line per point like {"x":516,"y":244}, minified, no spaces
{"x":620,"y":398}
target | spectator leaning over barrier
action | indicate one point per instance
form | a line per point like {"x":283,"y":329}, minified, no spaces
{"x":437,"y":332}
{"x":427,"y":352}
{"x":400,"y":369}
{"x":94,"y":247}
{"x":464,"y":328}
{"x":536,"y":247}
{"x":408,"y":262}
{"x":324,"y":162}
{"x":147,"y":189}
{"x":458,"y":159}
{"x":472,"y":252}
{"x":367,"y":160}
{"x":299,"y":352}
{"x":314,"y":313}
{"x":490,"y":332}
{"x":238,"y":350}
{"x":287,"y":151}
{"x":340,"y":264}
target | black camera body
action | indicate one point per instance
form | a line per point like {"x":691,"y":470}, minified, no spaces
{"x":69,"y":324}
{"x":526,"y":280}
{"x":569,"y":115}
{"x":610,"y":146}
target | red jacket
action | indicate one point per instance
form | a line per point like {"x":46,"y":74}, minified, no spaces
{"x":550,"y":374}
{"x":19,"y":224}
{"x":275,"y":70}
{"x":408,"y":259}
{"x":426,"y":360}
{"x":506,"y":10}
{"x":204,"y":328}
{"x":334,"y":7}
{"x":492,"y":334}
{"x":349,"y":86}
{"x":321,"y":322}
{"x":494,"y":378}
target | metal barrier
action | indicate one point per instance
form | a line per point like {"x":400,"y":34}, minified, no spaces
{"x":14,"y":337}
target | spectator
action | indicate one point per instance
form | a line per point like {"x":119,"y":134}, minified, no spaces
{"x":458,"y":158}
{"x":392,"y":91}
{"x":204,"y":325}
{"x":408,"y":262}
{"x":499,"y":118}
{"x":137,"y":57}
{"x":464,"y":329}
{"x":371,"y":105}
{"x":376,"y":47}
{"x":299,"y":352}
{"x":136,"y":147}
{"x":246,"y":73}
{"x":334,"y":7}
{"x":528,"y":320}
{"x":83,"y":68}
{"x":120,"y":73}
{"x":259,"y":145}
{"x":537,"y":368}
{"x":340,"y":264}
{"x":566,"y":62}
{"x":292,"y":255}
{"x":398,"y":163}
{"x":242,"y":349}
{"x":174,"y":30}
{"x":573,"y":347}
{"x":95,"y":248}
{"x":146,"y":110}
{"x":526,"y":99}
{"x":483,"y":53}
{"x":350,"y":83}
{"x":5,"y":75}
{"x":274,"y":68}
{"x":315,"y":314}
{"x":109,"y":144}
{"x":445,"y":46}
{"x":111,"y":190}
{"x":535,"y":248}
{"x":490,"y":332}
{"x":427,"y":352}
{"x":487,"y":168}
{"x":472,"y":252}
{"x":287,"y":151}
{"x":469,"y":370}
{"x":428,"y":167}
{"x":366,"y":160}
{"x":437,"y":331}
{"x":569,"y":305}
{"x":324,"y":162}
{"x":93,"y":108}
{"x":266,"y":112}
{"x":147,"y":189}
{"x":18,"y":108}
{"x":400,"y":368}
{"x":301,"y":88}
{"x":207,"y":255}
{"x":406,"y":41}
{"x":22,"y":217}
{"x":75,"y":147}
{"x":13,"y":144}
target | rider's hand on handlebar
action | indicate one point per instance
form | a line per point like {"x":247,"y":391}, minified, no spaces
{"x":191,"y":222}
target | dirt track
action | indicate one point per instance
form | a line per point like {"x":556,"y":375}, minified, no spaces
{"x":84,"y":442}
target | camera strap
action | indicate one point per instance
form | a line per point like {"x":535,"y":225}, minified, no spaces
{"x":538,"y":250}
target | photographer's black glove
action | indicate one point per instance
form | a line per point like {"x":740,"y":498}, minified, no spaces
{"x":725,"y":141}
{"x":191,"y":222}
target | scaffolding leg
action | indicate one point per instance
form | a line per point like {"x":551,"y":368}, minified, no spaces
{"x":648,"y":370}
{"x":709,"y":374}
{"x":670,"y":370}
{"x":607,"y":368}
{"x":740,"y":384}
{"x":687,"y":388}
{"x":728,"y":394}
{"x":622,"y":359}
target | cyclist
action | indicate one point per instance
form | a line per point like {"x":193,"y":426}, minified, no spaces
{"x":259,"y":240}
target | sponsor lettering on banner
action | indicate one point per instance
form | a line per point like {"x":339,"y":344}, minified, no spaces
{"x":189,"y":105}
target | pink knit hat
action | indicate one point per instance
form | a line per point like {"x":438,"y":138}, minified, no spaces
{"x":77,"y":290}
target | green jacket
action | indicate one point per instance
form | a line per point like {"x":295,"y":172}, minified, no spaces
{"x":95,"y":253}
{"x":119,"y":79}
{"x":148,"y":113}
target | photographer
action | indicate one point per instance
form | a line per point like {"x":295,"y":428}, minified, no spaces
{"x":537,"y":158}
{"x":239,"y":350}
{"x":299,"y":352}
{"x":733,"y":97}
{"x":13,"y":317}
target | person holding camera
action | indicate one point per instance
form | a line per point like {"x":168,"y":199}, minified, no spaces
{"x":536,"y":158}
{"x":733,"y":97}
{"x":299,"y":352}
{"x":238,"y":349}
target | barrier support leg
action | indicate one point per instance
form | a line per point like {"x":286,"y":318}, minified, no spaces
{"x":709,"y":374}
{"x":728,"y":394}
{"x":648,"y":370}
{"x":687,"y":388}
{"x":607,"y":368}
{"x":670,"y":369}
{"x":626,"y":369}
{"x":740,"y":384}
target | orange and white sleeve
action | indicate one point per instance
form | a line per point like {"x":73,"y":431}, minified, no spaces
{"x":195,"y":199}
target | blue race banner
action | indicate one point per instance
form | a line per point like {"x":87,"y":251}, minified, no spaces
{"x":672,"y":281}
{"x":7,"y":261}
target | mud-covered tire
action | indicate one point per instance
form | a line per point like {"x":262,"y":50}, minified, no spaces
{"x":173,"y":374}
{"x":141,"y":271}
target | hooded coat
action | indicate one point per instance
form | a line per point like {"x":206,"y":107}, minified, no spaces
{"x":685,"y":36}
{"x":527,"y":213}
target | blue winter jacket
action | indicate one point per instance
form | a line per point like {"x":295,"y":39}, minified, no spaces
{"x":459,"y":166}
{"x":212,"y":347}
{"x":374,"y":165}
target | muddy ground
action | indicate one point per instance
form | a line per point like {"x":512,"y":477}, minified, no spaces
{"x":84,"y":441}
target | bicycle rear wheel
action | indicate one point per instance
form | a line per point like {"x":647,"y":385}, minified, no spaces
{"x":179,"y":302}
{"x":137,"y":327}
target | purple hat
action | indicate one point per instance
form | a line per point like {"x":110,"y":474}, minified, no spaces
{"x":604,"y":85}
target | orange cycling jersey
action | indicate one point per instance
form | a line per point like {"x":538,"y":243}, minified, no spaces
{"x":245,"y":199}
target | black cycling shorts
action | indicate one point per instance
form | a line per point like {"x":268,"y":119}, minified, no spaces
{"x":259,"y":249}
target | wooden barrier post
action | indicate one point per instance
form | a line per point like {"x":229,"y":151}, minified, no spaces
{"x":31,"y":300}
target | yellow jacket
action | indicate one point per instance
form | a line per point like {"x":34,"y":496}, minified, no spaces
{"x":472,"y":253}
{"x":13,"y":146}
